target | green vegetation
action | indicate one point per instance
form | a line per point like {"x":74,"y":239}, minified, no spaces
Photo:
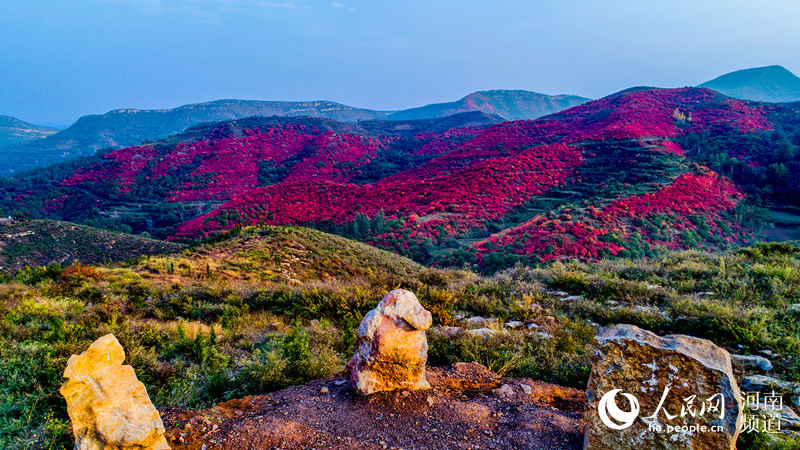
{"x":15,"y":131}
{"x":766,"y":84}
{"x":45,"y":242}
{"x":763,"y":164}
{"x":260,"y":309}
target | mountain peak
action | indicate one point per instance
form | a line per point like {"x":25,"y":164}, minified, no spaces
{"x":510,"y":104}
{"x":772,"y":83}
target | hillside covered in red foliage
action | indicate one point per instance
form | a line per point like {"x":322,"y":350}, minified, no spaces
{"x":623,"y":175}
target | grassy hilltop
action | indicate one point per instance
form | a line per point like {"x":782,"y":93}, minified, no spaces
{"x":263,"y":308}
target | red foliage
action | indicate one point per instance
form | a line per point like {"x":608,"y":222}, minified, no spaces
{"x":689,"y":195}
{"x":673,"y":148}
{"x":473,"y":176}
{"x":458,"y":200}
{"x":125,"y":165}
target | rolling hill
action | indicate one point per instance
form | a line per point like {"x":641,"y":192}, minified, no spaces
{"x":509,"y":104}
{"x":43,"y":242}
{"x":279,"y":255}
{"x":766,"y":84}
{"x":632,"y":174}
{"x":14,"y":131}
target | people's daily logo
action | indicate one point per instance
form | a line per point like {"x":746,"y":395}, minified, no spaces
{"x":619,"y":410}
{"x":612,"y":415}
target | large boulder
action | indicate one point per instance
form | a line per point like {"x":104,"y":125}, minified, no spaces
{"x":653,"y":392}
{"x":108,"y":406}
{"x":391,"y":346}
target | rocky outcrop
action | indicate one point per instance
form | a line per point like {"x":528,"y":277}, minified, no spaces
{"x":647,"y":391}
{"x":391,"y":346}
{"x":109,"y":408}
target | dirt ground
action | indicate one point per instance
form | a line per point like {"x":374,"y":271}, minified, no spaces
{"x":467,"y":407}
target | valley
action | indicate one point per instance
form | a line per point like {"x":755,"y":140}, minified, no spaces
{"x":234,"y":251}
{"x":632,"y":174}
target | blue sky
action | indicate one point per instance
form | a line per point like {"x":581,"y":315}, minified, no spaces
{"x":63,"y":59}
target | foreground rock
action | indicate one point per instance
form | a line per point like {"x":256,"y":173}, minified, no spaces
{"x":459,"y":411}
{"x":634,"y":372}
{"x":392,"y":349}
{"x":109,"y":408}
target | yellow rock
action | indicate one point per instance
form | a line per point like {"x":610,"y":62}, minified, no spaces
{"x":108,"y":406}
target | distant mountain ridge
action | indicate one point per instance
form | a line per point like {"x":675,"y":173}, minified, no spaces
{"x":509,"y":104}
{"x":127,"y":127}
{"x":627,"y":175}
{"x":773,"y":84}
{"x":16,"y":131}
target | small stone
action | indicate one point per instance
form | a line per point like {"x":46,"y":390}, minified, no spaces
{"x":430,"y":401}
{"x":504,"y":391}
{"x":514,"y":324}
{"x":484,"y":332}
{"x":476,"y":321}
{"x":765,"y":384}
{"x":550,"y":319}
{"x":444,"y":330}
{"x":544,"y":335}
{"x":752,"y":362}
{"x":324,"y":390}
{"x":572,"y":298}
{"x":526,"y":388}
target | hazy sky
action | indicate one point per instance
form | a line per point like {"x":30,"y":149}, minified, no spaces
{"x":63,"y":59}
